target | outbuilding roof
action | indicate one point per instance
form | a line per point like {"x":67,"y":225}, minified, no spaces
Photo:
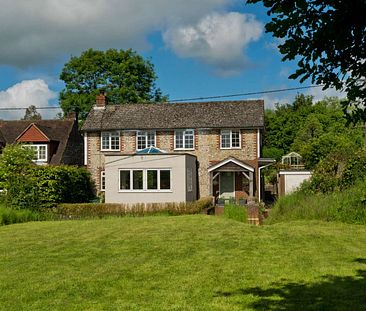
{"x":220,"y":114}
{"x":55,"y":130}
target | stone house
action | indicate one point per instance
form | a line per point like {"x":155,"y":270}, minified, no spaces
{"x":163,"y":152}
{"x":54,"y":141}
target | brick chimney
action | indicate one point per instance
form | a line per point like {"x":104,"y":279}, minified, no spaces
{"x":101,"y":100}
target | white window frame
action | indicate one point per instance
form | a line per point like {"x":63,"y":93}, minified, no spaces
{"x":145,"y":134}
{"x":102,"y":181}
{"x":144,"y":179}
{"x":184,"y":140}
{"x":37,"y":147}
{"x":110,"y":134}
{"x":231,"y":139}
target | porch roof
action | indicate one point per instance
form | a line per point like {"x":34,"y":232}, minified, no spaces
{"x":231,"y":160}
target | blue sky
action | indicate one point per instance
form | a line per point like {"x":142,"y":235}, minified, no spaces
{"x":199,"y":48}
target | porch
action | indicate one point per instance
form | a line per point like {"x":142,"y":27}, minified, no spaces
{"x":231,"y":180}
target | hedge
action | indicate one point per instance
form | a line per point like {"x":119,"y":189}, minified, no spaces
{"x":46,"y":186}
{"x":90,"y":210}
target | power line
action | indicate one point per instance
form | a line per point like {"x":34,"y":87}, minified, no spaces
{"x":199,"y":98}
{"x":247,"y":94}
{"x":21,"y":108}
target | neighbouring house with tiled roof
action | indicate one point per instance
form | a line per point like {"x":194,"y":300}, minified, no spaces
{"x":175,"y":152}
{"x":54,"y":141}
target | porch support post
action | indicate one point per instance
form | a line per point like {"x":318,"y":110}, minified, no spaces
{"x":251,"y":184}
{"x":210,"y":184}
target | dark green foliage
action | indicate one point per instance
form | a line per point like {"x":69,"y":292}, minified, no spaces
{"x":337,"y":172}
{"x":348,"y":205}
{"x":15,"y":163}
{"x":10,"y":216}
{"x":328,"y":40}
{"x":125,"y":76}
{"x":66,"y":184}
{"x":28,"y":186}
{"x":91,"y":210}
{"x":313,"y":130}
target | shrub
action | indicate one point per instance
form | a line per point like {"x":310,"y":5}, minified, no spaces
{"x":236,"y":212}
{"x":62,"y":184}
{"x":90,"y":210}
{"x":29,"y":186}
{"x":11,"y":216}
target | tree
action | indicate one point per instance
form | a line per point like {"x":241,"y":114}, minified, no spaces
{"x":329,"y":40}
{"x":15,"y":162}
{"x":124,"y":75}
{"x":313,"y":130}
{"x":32,"y":114}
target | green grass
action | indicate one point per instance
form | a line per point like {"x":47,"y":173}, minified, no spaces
{"x":236,"y":212}
{"x":182,"y":263}
{"x":348,"y":206}
{"x":12,"y":216}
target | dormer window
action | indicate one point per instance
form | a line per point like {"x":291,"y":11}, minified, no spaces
{"x":40,"y":152}
{"x":110,"y":141}
{"x":230,"y":139}
{"x":145,"y":139}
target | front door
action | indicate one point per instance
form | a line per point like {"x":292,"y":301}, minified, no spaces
{"x":227,"y":185}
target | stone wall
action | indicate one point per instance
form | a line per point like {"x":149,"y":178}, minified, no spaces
{"x":207,"y":150}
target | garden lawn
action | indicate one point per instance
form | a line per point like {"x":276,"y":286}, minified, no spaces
{"x":182,"y":263}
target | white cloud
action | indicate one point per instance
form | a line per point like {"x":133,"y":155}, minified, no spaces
{"x":216,"y":39}
{"x":319,"y":94}
{"x":25,"y":94}
{"x":40,"y":31}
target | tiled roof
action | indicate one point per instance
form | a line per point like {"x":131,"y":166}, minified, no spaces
{"x":56,"y":130}
{"x":224,"y":114}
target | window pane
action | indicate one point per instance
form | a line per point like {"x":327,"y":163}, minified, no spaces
{"x":124,"y":180}
{"x":152,"y":179}
{"x":165,"y":179}
{"x":102,"y":180}
{"x":137,"y":180}
{"x":188,"y":139}
{"x":225,"y":139}
{"x":42,"y":153}
{"x":235,"y":139}
{"x":115,"y":141}
{"x":141,"y":140}
{"x":150,"y":139}
{"x":105,"y":140}
{"x":189,"y":179}
{"x":179,"y":139}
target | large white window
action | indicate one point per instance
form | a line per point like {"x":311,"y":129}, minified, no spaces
{"x":145,"y":139}
{"x":144,"y":180}
{"x":184,"y":139}
{"x":102,"y":181}
{"x":110,"y":141}
{"x":230,"y":139}
{"x":40,"y":152}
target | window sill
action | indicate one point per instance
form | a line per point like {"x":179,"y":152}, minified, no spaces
{"x":184,"y":149}
{"x":231,"y":148}
{"x":109,"y":150}
{"x":145,"y":191}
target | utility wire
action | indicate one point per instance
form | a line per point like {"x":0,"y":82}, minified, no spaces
{"x":200,"y":98}
{"x":247,"y":94}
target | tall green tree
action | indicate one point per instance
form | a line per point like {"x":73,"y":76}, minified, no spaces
{"x":312,"y":129}
{"x":124,"y":75}
{"x":32,"y":114}
{"x":328,"y":38}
